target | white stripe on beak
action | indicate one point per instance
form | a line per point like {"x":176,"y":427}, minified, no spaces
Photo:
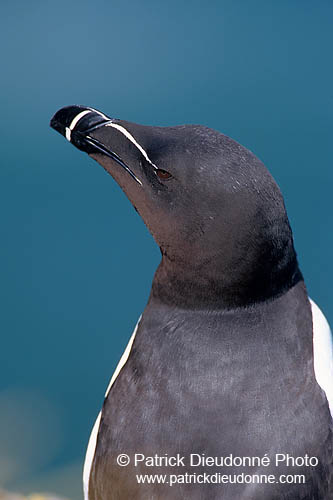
{"x":74,"y":122}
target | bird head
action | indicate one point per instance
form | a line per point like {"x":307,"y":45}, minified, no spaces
{"x":211,"y":205}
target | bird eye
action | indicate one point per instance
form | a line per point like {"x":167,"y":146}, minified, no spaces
{"x":163,"y":174}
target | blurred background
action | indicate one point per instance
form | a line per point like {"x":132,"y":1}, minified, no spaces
{"x":71,"y":289}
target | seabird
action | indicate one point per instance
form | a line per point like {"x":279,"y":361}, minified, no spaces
{"x":230,"y":357}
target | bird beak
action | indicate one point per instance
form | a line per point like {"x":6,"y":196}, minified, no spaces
{"x":76,"y":123}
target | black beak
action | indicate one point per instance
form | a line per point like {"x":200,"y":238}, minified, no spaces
{"x":76,"y":124}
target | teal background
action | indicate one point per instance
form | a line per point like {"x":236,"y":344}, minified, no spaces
{"x":76,"y":260}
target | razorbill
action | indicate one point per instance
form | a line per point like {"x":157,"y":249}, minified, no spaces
{"x":230,"y":363}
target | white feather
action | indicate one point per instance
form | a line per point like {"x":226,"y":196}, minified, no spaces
{"x":94,"y":433}
{"x":90,"y":456}
{"x":123,"y":359}
{"x":323,"y":353}
{"x":129,"y":136}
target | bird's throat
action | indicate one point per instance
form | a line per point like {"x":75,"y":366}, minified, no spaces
{"x":215,"y":286}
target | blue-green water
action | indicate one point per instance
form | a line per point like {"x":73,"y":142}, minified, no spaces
{"x":76,"y":260}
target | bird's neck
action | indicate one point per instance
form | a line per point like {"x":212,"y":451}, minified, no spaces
{"x":237,"y":282}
